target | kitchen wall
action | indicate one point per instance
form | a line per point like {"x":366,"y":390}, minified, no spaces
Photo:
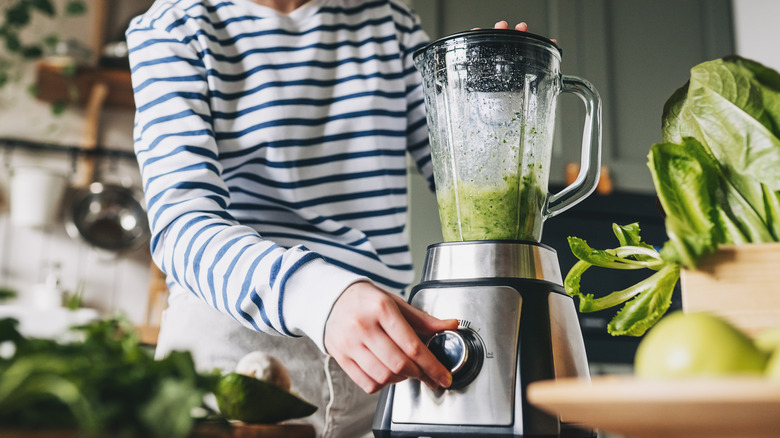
{"x":756,"y":30}
{"x":111,"y":282}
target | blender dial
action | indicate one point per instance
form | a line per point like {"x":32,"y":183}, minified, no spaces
{"x":461,"y":352}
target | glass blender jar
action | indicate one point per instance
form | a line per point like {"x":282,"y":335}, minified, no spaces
{"x":490,"y":97}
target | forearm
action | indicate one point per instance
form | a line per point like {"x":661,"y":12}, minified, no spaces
{"x":261,"y":285}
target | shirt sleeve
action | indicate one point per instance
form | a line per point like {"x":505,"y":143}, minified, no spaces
{"x":195,"y":241}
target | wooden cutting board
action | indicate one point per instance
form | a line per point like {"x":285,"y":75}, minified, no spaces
{"x":203,"y":431}
{"x":747,"y":407}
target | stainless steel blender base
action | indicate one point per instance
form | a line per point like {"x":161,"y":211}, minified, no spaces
{"x":527,"y":329}
{"x":493,"y":314}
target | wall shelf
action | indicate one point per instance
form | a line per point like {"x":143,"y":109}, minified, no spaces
{"x":54,"y":84}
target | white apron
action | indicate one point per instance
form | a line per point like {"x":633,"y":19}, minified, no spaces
{"x":217,"y":341}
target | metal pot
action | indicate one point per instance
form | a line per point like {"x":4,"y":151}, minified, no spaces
{"x":108,"y":216}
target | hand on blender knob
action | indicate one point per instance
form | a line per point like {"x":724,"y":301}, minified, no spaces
{"x":375,"y":337}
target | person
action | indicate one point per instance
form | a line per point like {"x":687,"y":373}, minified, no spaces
{"x":271,"y":136}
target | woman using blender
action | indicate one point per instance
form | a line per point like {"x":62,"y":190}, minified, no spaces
{"x":272,"y":138}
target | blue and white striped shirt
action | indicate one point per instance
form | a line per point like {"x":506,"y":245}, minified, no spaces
{"x":273,"y":151}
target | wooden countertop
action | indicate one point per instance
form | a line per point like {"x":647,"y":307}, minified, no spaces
{"x":202,"y":431}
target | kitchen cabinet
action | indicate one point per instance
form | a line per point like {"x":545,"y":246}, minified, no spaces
{"x":636,"y":53}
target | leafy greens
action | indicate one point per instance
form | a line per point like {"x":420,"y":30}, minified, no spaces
{"x":717,"y":177}
{"x":103,"y":384}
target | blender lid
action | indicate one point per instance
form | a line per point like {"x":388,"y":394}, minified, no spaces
{"x":498,"y":34}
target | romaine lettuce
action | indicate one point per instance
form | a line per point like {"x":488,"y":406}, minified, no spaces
{"x":717,"y":177}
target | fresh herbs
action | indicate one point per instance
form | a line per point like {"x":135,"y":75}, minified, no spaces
{"x":717,"y":177}
{"x":105,"y":383}
{"x":6,"y":293}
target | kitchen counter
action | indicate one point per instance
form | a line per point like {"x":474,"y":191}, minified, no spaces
{"x":203,"y":431}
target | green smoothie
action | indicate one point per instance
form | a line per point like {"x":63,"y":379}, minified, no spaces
{"x":509,"y":211}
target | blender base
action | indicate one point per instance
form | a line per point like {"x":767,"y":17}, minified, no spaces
{"x":528,"y":331}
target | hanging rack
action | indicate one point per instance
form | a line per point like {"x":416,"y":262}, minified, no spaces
{"x":35,"y":146}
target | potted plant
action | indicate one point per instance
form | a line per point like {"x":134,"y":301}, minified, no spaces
{"x":717,"y":177}
{"x":18,"y":15}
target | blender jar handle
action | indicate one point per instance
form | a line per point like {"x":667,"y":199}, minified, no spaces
{"x":590,"y":161}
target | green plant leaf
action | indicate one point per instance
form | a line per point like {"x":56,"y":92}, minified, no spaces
{"x":651,"y":303}
{"x":12,"y":43}
{"x":168,"y":412}
{"x":104,"y":383}
{"x":772,"y":210}
{"x":703,"y":209}
{"x":75,"y":7}
{"x":6,"y":293}
{"x":731,"y":106}
{"x":31,"y":52}
{"x":35,"y":379}
{"x":637,"y":256}
{"x":51,"y":40}
{"x":58,"y":107}
{"x":645,"y":301}
{"x":716,"y":176}
{"x":623,"y":257}
{"x":628,"y":235}
{"x":9,"y":330}
{"x":18,"y":15}
{"x":44,"y":6}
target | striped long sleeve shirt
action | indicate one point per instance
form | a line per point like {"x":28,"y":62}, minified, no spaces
{"x":272,"y":150}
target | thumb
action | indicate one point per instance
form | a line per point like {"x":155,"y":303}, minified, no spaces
{"x":423,"y":323}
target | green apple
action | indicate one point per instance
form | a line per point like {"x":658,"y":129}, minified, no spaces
{"x":773,"y":366}
{"x":769,"y":339}
{"x":696,"y":345}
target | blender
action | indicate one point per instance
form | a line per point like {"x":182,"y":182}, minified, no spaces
{"x":490,"y":97}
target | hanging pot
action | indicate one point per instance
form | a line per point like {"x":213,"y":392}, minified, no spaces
{"x":106,"y":215}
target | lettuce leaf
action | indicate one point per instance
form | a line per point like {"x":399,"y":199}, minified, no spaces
{"x":703,"y":209}
{"x":646,"y":301}
{"x":731,"y":106}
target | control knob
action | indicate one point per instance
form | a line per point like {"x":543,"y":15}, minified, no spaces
{"x":461,"y":352}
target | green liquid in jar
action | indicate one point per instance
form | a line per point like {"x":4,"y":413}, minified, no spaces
{"x":510,"y":211}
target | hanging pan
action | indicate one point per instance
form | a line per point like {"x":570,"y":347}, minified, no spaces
{"x":106,"y":215}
